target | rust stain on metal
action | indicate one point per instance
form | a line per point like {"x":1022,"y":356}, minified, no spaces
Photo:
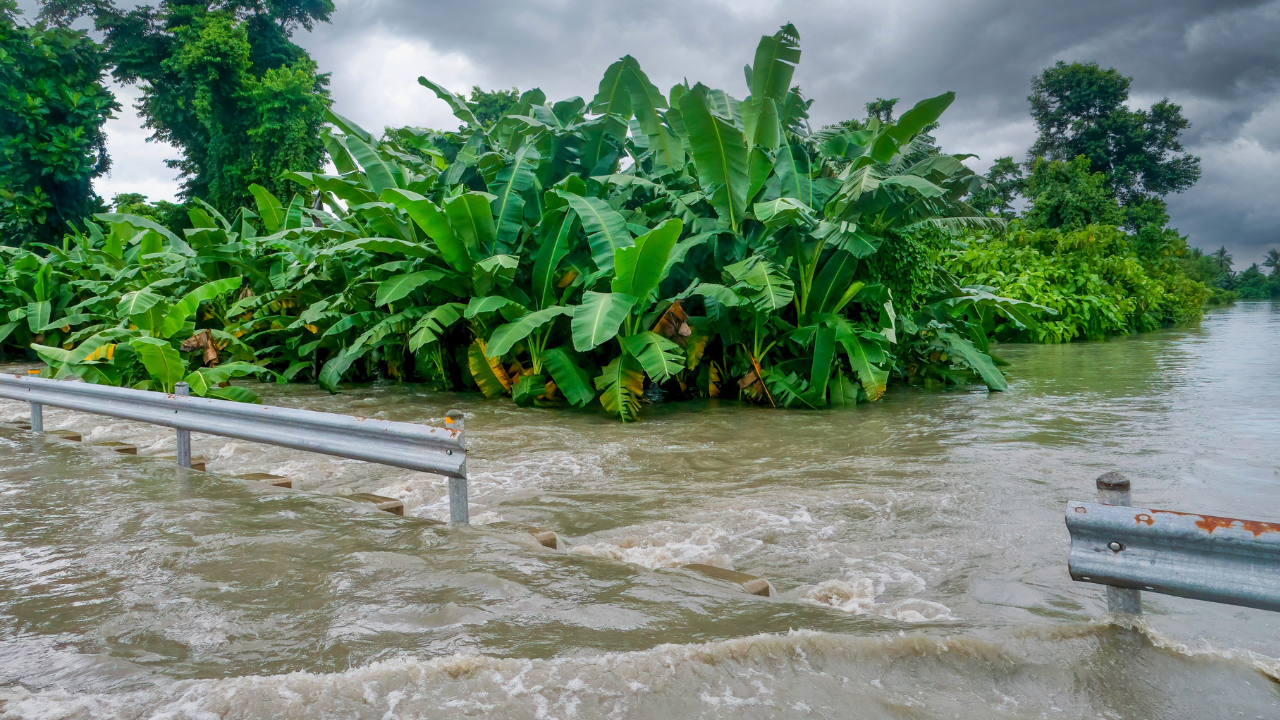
{"x":1209,"y":523}
{"x":1081,"y":510}
{"x":1144,"y":518}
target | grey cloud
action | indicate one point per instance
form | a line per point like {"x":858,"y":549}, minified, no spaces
{"x":1218,"y":58}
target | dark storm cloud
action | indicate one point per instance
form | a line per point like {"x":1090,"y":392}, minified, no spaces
{"x":1219,"y":59}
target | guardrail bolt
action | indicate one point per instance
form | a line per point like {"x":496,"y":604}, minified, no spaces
{"x":458,"y":502}
{"x":184,"y":436}
{"x":1115,"y":489}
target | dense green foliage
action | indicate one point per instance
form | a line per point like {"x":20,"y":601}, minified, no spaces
{"x":1099,"y":279}
{"x":222,"y":82}
{"x":119,"y":307}
{"x":490,"y":105}
{"x":1066,"y":195}
{"x":637,"y":246}
{"x":1093,"y":242}
{"x":1004,"y":184}
{"x":52,"y":109}
{"x":171,"y":215}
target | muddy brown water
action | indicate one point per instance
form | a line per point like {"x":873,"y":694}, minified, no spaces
{"x":916,"y":546}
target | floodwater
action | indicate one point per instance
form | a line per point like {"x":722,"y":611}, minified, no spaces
{"x":916,"y":547}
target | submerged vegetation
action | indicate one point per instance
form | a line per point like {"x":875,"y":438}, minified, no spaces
{"x":638,"y":245}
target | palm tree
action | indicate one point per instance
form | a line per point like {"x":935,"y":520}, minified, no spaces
{"x":1222,"y":258}
{"x":1272,"y":261}
{"x":1195,"y":253}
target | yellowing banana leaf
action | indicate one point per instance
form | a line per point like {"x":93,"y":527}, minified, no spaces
{"x":488,"y":372}
{"x":621,"y":384}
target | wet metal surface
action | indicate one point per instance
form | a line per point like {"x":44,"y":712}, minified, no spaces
{"x":1176,"y":553}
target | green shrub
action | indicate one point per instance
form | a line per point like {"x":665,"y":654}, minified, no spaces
{"x":1096,"y":279}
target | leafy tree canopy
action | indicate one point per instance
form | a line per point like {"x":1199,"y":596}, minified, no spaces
{"x":223,"y":83}
{"x":1080,"y":110}
{"x":1004,"y":183}
{"x":882,"y":109}
{"x":489,"y":105}
{"x":171,"y":215}
{"x":1068,"y":196}
{"x":52,"y":109}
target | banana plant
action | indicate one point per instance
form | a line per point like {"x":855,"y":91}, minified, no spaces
{"x":618,"y":248}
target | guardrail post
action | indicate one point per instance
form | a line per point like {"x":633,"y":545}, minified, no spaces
{"x":37,"y":411}
{"x":184,"y":436}
{"x":1114,"y":489}
{"x":458,"y":510}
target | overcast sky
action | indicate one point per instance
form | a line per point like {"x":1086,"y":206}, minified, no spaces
{"x":1219,"y":59}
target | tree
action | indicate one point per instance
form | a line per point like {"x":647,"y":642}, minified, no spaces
{"x":1273,"y":262}
{"x":171,"y":215}
{"x":1080,"y":109}
{"x":489,"y":105}
{"x":53,"y":105}
{"x":1004,"y":182}
{"x":1222,"y":258}
{"x":222,"y":82}
{"x":1067,"y":195}
{"x":880,"y":109}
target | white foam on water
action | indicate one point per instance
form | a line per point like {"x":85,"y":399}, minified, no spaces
{"x":858,"y":597}
{"x":1264,"y":664}
{"x":670,"y":546}
{"x":798,"y":674}
{"x":867,"y":579}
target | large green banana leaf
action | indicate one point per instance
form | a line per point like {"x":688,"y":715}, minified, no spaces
{"x":399,"y":286}
{"x":472,"y":221}
{"x":506,"y":336}
{"x":187,"y":306}
{"x":720,"y":154}
{"x":606,"y":229}
{"x":599,"y":317}
{"x":775,"y":63}
{"x":659,"y":357}
{"x":515,"y":178}
{"x":163,"y":363}
{"x":557,"y":240}
{"x":435,"y":224}
{"x":461,"y":110}
{"x":639,"y":268}
{"x":573,"y":381}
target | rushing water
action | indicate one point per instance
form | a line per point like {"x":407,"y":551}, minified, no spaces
{"x":916,"y":546}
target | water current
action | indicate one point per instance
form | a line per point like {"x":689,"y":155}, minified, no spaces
{"x":916,"y":547}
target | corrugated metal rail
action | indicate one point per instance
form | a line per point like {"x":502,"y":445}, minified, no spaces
{"x":405,"y":445}
{"x":1225,"y":560}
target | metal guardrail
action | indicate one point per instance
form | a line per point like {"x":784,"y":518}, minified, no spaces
{"x":1224,"y":560}
{"x":442,"y":451}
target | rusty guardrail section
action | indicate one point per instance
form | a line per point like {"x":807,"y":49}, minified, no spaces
{"x":405,"y":445}
{"x":1225,"y":560}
